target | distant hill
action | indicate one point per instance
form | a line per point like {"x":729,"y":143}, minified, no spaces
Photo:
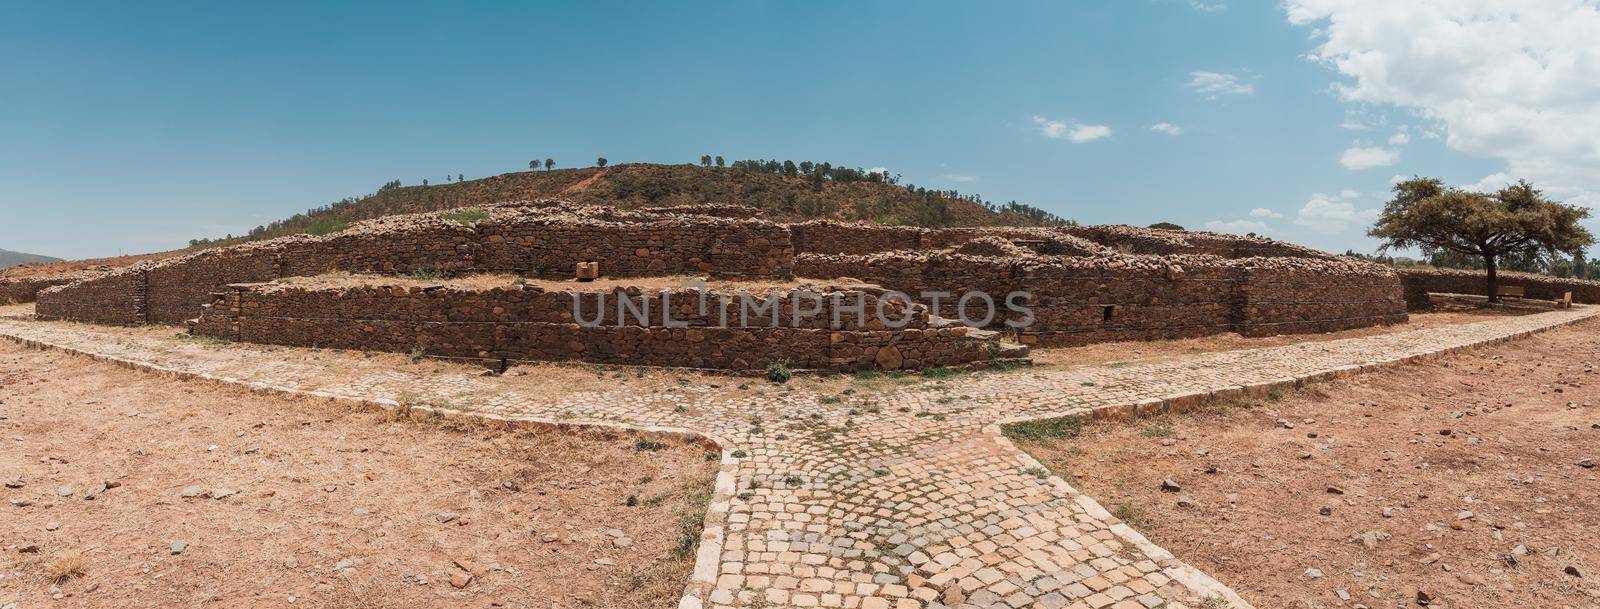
{"x":9,"y":258}
{"x":785,"y":190}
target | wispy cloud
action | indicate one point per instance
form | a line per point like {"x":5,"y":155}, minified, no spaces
{"x":1075,"y":132}
{"x":957,"y":177}
{"x":1262,"y":212}
{"x":1167,"y":128}
{"x":1216,"y":84}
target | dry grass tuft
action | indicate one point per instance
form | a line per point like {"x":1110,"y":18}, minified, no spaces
{"x":65,"y":567}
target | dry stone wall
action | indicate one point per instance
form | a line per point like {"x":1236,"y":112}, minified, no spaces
{"x":638,"y":246}
{"x":1419,"y":282}
{"x":1081,"y":284}
{"x":543,"y":241}
{"x":27,"y":289}
{"x":530,"y":324}
{"x":1081,"y":300}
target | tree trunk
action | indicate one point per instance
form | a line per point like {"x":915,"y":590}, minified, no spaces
{"x":1494,"y":281}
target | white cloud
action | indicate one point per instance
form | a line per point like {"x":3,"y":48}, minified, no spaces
{"x":1237,"y":227}
{"x":1399,"y":139}
{"x":1215,"y":84}
{"x":1326,"y":214}
{"x":882,"y":170}
{"x":1075,"y":132}
{"x":1491,"y":182}
{"x":1397,"y":178}
{"x":1167,"y":128}
{"x":1348,"y":194}
{"x":1357,"y":158}
{"x":957,"y":177}
{"x":1208,"y":7}
{"x":1512,"y":80}
{"x":1262,"y":212}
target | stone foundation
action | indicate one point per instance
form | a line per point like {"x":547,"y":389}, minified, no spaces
{"x":512,"y":324}
{"x":1084,"y":284}
{"x":1082,"y":300}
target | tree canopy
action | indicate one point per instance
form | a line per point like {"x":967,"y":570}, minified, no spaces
{"x":1516,"y":222}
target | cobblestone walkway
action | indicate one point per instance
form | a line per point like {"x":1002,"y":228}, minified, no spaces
{"x":899,"y":499}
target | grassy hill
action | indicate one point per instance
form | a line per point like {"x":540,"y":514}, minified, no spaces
{"x":783,"y":189}
{"x":9,"y":258}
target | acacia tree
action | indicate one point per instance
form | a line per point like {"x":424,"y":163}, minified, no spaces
{"x":549,"y":164}
{"x":1517,"y":221}
{"x":600,"y":161}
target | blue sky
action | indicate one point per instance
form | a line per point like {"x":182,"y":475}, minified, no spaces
{"x":131,"y":127}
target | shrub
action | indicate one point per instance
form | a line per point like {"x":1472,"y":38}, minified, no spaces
{"x":425,"y":274}
{"x":778,"y":372}
{"x":326,"y":227}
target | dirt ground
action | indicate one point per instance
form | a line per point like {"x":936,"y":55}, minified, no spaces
{"x":1444,"y":314}
{"x":1464,"y":479}
{"x":79,"y":267}
{"x":208,"y":496}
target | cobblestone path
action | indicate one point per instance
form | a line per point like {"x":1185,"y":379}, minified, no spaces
{"x":902,"y":498}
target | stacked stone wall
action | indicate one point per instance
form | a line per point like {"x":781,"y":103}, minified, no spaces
{"x":551,"y":246}
{"x":1084,"y":284}
{"x":528,"y":324}
{"x":521,"y":241}
{"x":829,"y":237}
{"x":1076,"y":300}
{"x":1419,"y":282}
{"x":114,"y":298}
{"x":27,"y":289}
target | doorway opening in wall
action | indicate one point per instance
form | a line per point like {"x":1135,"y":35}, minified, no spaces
{"x":1107,"y":311}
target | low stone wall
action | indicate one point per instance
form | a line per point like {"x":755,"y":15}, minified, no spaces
{"x":529,"y":324}
{"x":830,"y":237}
{"x":27,"y":289}
{"x":546,"y":242}
{"x":1419,"y":282}
{"x":1162,"y":242}
{"x":115,"y":298}
{"x":550,"y":246}
{"x":1081,"y":300}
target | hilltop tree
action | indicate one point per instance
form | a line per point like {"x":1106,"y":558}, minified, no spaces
{"x":461,"y":177}
{"x":1516,"y":222}
{"x":424,"y":181}
{"x":600,"y":162}
{"x":1166,"y":225}
{"x":533,"y":164}
{"x":705,"y":160}
{"x":549,"y":164}
{"x":720,"y":163}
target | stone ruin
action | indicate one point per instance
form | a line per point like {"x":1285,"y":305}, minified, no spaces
{"x":1079,"y":285}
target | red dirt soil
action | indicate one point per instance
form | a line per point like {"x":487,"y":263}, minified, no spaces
{"x":330,"y":507}
{"x":1462,"y":478}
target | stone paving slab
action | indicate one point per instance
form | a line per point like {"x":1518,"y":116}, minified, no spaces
{"x":906,"y":499}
